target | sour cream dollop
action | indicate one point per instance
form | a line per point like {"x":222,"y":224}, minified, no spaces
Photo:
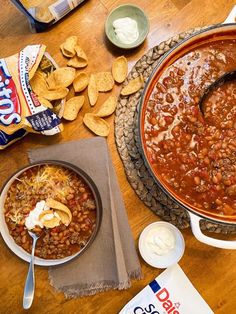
{"x":32,"y":219}
{"x":160,"y":240}
{"x":126,"y":30}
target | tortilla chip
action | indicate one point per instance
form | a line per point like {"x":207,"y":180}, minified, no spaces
{"x":45,"y":65}
{"x":54,"y":222}
{"x":63,"y":216}
{"x":96,"y":124}
{"x":38,"y":83}
{"x":45,"y":102}
{"x":72,"y":107}
{"x":80,"y":82}
{"x":43,"y":14}
{"x":80,"y":53}
{"x":68,"y":47}
{"x":108,"y":107}
{"x":105,"y":81}
{"x":54,"y":94}
{"x":57,"y":205}
{"x":71,"y":93}
{"x":57,"y":109}
{"x":120,"y":69}
{"x":77,"y":62}
{"x":45,"y":212}
{"x":133,"y":86}
{"x":61,"y":77}
{"x":92,"y":90}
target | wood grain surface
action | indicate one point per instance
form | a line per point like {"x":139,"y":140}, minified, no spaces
{"x":211,"y":270}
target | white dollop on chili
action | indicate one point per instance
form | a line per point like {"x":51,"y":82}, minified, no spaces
{"x":32,"y":220}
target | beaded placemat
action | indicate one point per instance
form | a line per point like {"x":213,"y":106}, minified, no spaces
{"x":127,"y":141}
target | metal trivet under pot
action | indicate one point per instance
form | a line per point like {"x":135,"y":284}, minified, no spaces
{"x":126,"y":135}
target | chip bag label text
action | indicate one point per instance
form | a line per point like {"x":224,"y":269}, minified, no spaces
{"x":9,"y":102}
{"x":170,"y":293}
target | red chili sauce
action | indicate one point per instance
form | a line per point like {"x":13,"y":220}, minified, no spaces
{"x":64,"y":185}
{"x":195,"y":156}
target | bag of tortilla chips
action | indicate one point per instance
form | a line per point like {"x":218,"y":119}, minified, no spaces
{"x":20,"y":110}
{"x":44,"y":13}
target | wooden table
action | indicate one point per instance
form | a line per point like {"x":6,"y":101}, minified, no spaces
{"x":211,"y":270}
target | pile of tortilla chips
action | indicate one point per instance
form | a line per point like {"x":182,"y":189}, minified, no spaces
{"x":95,"y":83}
{"x":36,"y":94}
{"x":22,"y":79}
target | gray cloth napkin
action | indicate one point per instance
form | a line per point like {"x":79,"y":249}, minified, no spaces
{"x":111,"y":261}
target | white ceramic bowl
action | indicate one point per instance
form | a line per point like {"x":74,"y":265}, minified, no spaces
{"x":168,"y":259}
{"x":18,"y":250}
{"x":133,"y":12}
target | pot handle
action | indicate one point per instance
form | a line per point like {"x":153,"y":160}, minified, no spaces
{"x":231,"y":18}
{"x":222,"y":244}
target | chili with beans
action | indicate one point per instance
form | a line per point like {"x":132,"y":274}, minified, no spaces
{"x":50,"y":181}
{"x":195,"y":156}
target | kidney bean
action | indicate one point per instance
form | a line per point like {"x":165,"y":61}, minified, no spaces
{"x":82,"y":189}
{"x":153,"y":121}
{"x":169,"y":98}
{"x":24,"y":239}
{"x":70,"y":197}
{"x":197,"y":180}
{"x":77,"y":227}
{"x":75,"y":213}
{"x":167,"y":81}
{"x":63,"y":240}
{"x":161,"y":87}
{"x":23,"y":232}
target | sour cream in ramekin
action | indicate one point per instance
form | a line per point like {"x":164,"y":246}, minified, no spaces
{"x":126,"y":30}
{"x":161,"y":244}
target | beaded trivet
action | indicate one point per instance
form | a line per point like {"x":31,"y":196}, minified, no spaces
{"x":127,"y":141}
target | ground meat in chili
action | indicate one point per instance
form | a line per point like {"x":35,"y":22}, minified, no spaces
{"x":195,"y":156}
{"x":65,"y":186}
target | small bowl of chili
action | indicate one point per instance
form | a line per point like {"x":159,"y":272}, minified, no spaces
{"x":59,"y":185}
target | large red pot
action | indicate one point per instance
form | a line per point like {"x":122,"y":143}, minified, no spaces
{"x":213,"y":33}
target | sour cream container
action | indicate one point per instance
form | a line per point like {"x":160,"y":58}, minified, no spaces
{"x":169,"y":293}
{"x":161,"y":244}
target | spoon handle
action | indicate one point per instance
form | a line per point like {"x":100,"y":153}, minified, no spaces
{"x":30,"y":281}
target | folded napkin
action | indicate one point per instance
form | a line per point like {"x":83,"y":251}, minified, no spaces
{"x":111,"y":261}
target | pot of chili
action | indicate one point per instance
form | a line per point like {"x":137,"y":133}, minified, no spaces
{"x":192,"y":157}
{"x":71,"y":215}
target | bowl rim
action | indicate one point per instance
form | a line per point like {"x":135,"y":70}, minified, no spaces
{"x":120,"y":44}
{"x":228,"y":27}
{"x":18,"y":250}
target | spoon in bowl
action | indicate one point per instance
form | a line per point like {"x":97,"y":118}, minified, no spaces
{"x":226,"y":77}
{"x":30,"y":280}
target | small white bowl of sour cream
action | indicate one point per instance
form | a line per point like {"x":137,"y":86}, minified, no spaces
{"x":161,"y":244}
{"x":127,"y":26}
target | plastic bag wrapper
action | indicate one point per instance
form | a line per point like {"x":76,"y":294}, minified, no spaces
{"x":44,"y":13}
{"x":20,"y":110}
{"x":169,"y":293}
